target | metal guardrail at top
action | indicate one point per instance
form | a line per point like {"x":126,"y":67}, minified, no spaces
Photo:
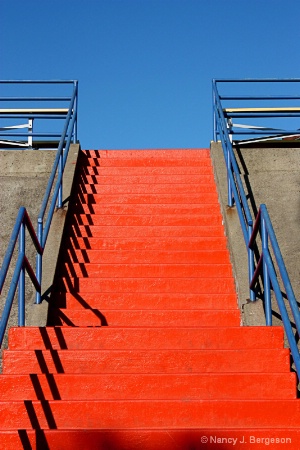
{"x":223,"y":129}
{"x":68,"y":133}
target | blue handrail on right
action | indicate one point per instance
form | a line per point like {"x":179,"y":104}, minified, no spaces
{"x":236,"y":195}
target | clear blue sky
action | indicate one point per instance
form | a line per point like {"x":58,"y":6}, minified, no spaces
{"x":145,"y":66}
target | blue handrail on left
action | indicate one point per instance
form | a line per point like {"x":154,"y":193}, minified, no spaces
{"x":23,"y":221}
{"x":263,"y":224}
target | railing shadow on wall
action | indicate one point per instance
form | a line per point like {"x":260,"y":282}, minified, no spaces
{"x":269,"y":268}
{"x":53,"y":194}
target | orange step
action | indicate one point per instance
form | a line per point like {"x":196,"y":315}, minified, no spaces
{"x":237,"y":338}
{"x":149,"y":318}
{"x":148,"y":231}
{"x":153,"y":301}
{"x":146,"y":256}
{"x":146,"y":361}
{"x":148,"y":179}
{"x":147,"y":386}
{"x":163,"y":439}
{"x":88,"y":196}
{"x":160,"y":285}
{"x":100,"y":270}
{"x":151,"y":243}
{"x":155,"y":414}
{"x":163,"y":220}
{"x":152,"y":209}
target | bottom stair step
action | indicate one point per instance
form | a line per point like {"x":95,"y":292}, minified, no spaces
{"x":166,"y":439}
{"x":158,"y":414}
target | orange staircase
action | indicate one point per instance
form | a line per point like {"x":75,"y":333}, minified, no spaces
{"x":144,"y":348}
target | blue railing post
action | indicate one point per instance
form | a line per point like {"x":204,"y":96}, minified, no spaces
{"x":21,"y":293}
{"x":39,"y":260}
{"x":251,"y":264}
{"x":60,"y":172}
{"x":266,"y":278}
{"x":75,"y":111}
{"x":229,"y":189}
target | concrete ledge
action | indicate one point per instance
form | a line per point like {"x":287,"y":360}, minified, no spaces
{"x":252,"y":312}
{"x":37,"y":314}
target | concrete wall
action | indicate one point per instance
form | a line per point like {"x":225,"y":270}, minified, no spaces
{"x":270,"y":175}
{"x":23,"y":178}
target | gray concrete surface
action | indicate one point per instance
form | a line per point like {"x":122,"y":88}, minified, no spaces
{"x":270,"y":176}
{"x":23,"y":178}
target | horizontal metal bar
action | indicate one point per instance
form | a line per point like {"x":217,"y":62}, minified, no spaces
{"x":38,"y":81}
{"x":260,"y":115}
{"x":259,"y":97}
{"x":35,"y":99}
{"x":32,"y":116}
{"x":31,"y":134}
{"x":34,"y":110}
{"x":256,"y":80}
{"x":267,"y":132}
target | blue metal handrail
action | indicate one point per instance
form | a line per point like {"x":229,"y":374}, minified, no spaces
{"x":236,"y":194}
{"x":266,"y":265}
{"x":22,"y":264}
{"x":39,"y":240}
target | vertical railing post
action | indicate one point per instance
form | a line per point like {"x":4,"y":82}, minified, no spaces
{"x":60,"y":171}
{"x":39,"y":260}
{"x":229,"y":189}
{"x":251,"y":263}
{"x":214,"y":116}
{"x":266,"y":279}
{"x":21,"y":293}
{"x":75,"y":111}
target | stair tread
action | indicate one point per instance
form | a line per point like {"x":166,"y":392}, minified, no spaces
{"x":236,"y":338}
{"x":147,"y":386}
{"x":151,"y":414}
{"x":146,"y":361}
{"x":178,"y":318}
{"x":153,"y":301}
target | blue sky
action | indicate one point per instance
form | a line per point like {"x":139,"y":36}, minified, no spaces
{"x":145,"y":66}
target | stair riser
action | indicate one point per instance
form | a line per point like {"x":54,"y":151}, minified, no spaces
{"x":139,"y":209}
{"x":144,"y":301}
{"x":147,"y":257}
{"x":236,"y":338}
{"x":126,"y":179}
{"x":92,"y":187}
{"x":163,"y":155}
{"x":171,"y":244}
{"x":147,"y":361}
{"x":147,"y":270}
{"x":206,"y":220}
{"x":204,"y":168}
{"x":87,"y":317}
{"x":146,"y":387}
{"x":148,"y":231}
{"x":141,"y":285}
{"x":92,"y":198}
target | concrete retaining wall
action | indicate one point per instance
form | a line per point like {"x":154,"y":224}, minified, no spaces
{"x":271,"y":175}
{"x":23,"y":178}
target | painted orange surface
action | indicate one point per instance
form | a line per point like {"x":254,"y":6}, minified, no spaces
{"x":144,"y":348}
